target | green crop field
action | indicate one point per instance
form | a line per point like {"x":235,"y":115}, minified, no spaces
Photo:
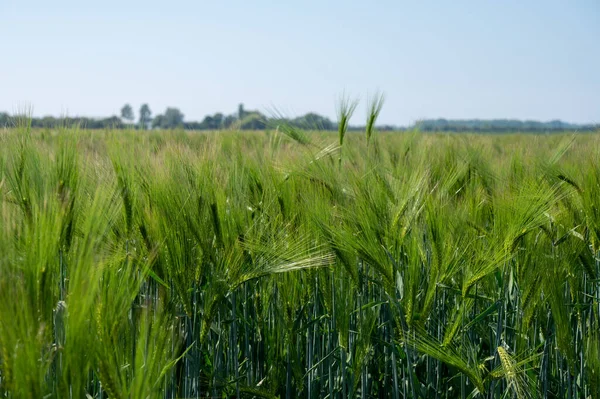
{"x":293,"y":264}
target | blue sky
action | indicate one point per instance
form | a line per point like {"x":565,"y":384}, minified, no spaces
{"x":454,"y":59}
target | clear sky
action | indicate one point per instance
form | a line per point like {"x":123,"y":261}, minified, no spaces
{"x":453,"y":59}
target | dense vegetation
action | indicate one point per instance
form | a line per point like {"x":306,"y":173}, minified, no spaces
{"x":173,"y":118}
{"x":499,"y":126}
{"x":287,"y":264}
{"x":243,"y":119}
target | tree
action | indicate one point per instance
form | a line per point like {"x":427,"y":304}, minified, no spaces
{"x":228,"y":121}
{"x":212,"y":122}
{"x":313,"y":121}
{"x":158,"y":121}
{"x":112,"y":122}
{"x":253,"y":121}
{"x":145,"y":117}
{"x":241,"y":112}
{"x":4,"y":119}
{"x":218,"y":120}
{"x":172,"y":118}
{"x":127,"y":113}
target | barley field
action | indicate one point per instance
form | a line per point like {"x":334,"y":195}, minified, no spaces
{"x":292,"y":264}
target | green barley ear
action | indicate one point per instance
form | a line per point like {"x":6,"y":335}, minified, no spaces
{"x":23,"y":120}
{"x":281,"y":124}
{"x":515,"y":375}
{"x":345,"y":110}
{"x":374,"y":107}
{"x":293,"y":133}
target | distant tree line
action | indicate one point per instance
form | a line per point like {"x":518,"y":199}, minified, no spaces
{"x":497,"y":126}
{"x":7,"y":120}
{"x":173,"y":118}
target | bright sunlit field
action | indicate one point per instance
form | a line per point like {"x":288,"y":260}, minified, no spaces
{"x":292,"y":264}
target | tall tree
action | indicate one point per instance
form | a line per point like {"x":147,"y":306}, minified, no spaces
{"x":172,"y":118}
{"x":127,"y":113}
{"x":241,"y":112}
{"x":145,"y":117}
{"x":4,"y":119}
{"x":158,"y":121}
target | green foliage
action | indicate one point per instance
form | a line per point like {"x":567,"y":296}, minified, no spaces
{"x":127,"y":113}
{"x":498,"y":126}
{"x":171,"y":119}
{"x":374,"y":108}
{"x":177,"y":265}
{"x":345,"y":110}
{"x":145,"y":117}
{"x":252,"y":121}
{"x":255,"y":120}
